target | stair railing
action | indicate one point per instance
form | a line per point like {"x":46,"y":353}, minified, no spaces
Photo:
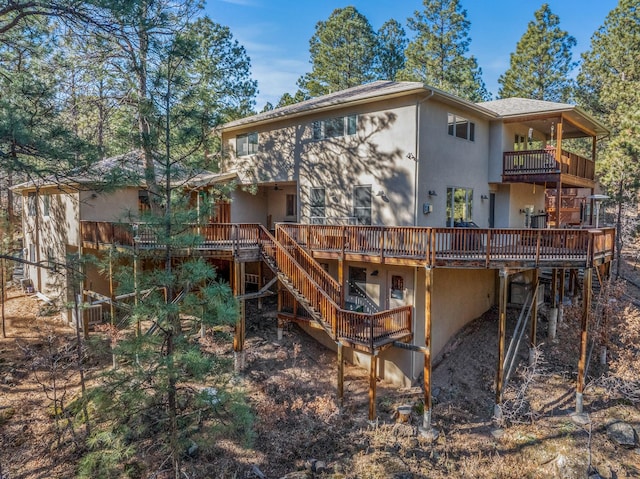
{"x":301,"y":281}
{"x":310,"y":265}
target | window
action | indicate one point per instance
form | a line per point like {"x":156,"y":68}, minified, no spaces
{"x":362,"y":204}
{"x":461,"y":127}
{"x":459,"y":205}
{"x":143,"y":201}
{"x":247,"y":144}
{"x":46,"y":205}
{"x":357,"y":281}
{"x":32,"y":253}
{"x":335,"y":127}
{"x":397,"y":287}
{"x":292,"y":209}
{"x":317,"y":204}
{"x":31,"y":204}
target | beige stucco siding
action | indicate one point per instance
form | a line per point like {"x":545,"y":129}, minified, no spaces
{"x":459,"y":296}
{"x":58,"y":229}
{"x":375,"y":156}
{"x":447,"y":161}
{"x":109,"y":206}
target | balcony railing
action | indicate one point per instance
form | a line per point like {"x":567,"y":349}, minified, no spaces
{"x":428,"y":246}
{"x":544,"y":161}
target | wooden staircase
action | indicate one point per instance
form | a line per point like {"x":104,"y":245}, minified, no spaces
{"x":321,"y":296}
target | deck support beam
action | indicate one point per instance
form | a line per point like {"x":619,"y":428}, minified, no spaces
{"x":426,"y":429}
{"x":341,"y":280}
{"x":533,"y":340}
{"x":561,"y":293}
{"x":373,"y":378}
{"x":238,"y":339}
{"x":553,"y":309}
{"x":502,"y":327}
{"x":340,"y":374}
{"x":584,"y":326}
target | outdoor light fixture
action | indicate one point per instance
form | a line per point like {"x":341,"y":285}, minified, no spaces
{"x":374,"y":272}
{"x":484,"y":197}
{"x":432,"y":193}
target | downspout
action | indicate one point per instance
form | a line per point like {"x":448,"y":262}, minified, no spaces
{"x":416,"y":159}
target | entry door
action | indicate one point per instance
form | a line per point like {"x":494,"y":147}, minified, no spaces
{"x":396,"y":290}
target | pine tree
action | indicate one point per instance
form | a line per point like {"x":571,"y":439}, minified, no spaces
{"x":609,"y":86}
{"x":609,"y":77}
{"x":541,"y":65}
{"x":437,"y":54}
{"x":342,"y":52}
{"x":392,"y":42}
{"x":619,"y":177}
{"x":199,"y":79}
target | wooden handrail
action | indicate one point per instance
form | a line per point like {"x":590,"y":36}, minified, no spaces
{"x":429,"y":245}
{"x":343,"y":323}
{"x":310,"y":265}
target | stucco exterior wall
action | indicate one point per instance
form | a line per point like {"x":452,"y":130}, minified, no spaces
{"x":447,"y":161}
{"x":248,"y":208}
{"x":109,"y":206}
{"x":375,"y":156}
{"x":523,"y":195}
{"x":57,"y":229}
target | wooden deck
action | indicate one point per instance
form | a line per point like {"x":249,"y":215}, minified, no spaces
{"x":411,"y":246}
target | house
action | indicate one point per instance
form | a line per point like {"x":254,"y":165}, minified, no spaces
{"x":389,"y":214}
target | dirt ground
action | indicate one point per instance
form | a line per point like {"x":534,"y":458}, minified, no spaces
{"x":301,"y":432}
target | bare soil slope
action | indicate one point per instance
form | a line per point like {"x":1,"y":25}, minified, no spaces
{"x":301,"y":432}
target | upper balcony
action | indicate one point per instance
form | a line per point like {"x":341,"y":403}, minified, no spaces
{"x":546,"y":165}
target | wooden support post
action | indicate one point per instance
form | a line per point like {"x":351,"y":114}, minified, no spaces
{"x":260,"y":285}
{"x":238,"y":339}
{"x":533,"y":340}
{"x":112,"y":307}
{"x":428,"y":283}
{"x":279,"y":310}
{"x":584,"y":326}
{"x":502,"y":327}
{"x":340,"y":374}
{"x":561,"y":294}
{"x":553,"y":310}
{"x":373,"y":377}
{"x":341,"y":280}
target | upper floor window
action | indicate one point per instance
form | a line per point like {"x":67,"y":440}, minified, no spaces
{"x":335,"y":127}
{"x":291,"y":205}
{"x":318,"y":206}
{"x":31,"y":204}
{"x":461,"y":127}
{"x":247,"y":144}
{"x":46,"y":205}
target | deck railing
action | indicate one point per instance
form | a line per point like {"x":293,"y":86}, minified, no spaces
{"x":434,"y":245}
{"x":208,"y":236}
{"x":426,"y":245}
{"x":544,"y":161}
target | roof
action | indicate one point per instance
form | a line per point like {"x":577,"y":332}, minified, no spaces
{"x":128,"y":169}
{"x":507,"y":108}
{"x":514,"y":108}
{"x":520,"y":106}
{"x":380,"y":89}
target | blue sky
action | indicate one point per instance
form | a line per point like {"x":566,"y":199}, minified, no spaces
{"x":276,"y":33}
